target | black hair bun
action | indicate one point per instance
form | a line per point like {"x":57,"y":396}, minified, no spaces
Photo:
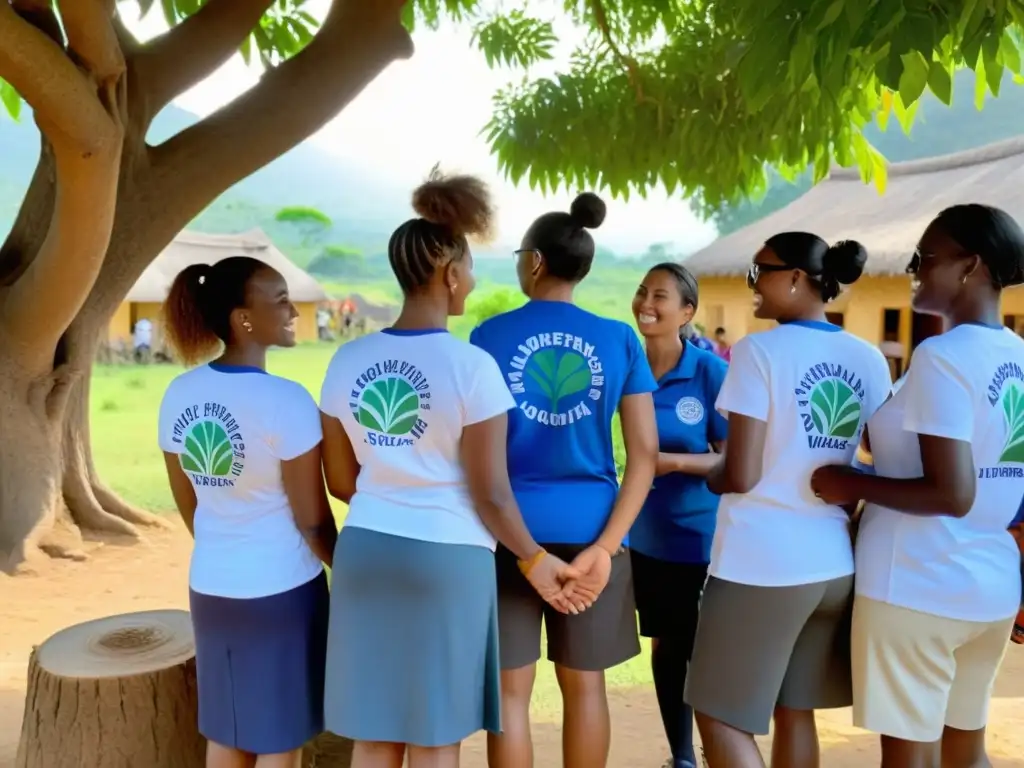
{"x":588,"y":210}
{"x":844,"y":262}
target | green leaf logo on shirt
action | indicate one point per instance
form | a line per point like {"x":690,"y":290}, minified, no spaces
{"x":558,"y":374}
{"x":835,"y":409}
{"x":390,"y":406}
{"x":207,"y":450}
{"x":1013,"y":410}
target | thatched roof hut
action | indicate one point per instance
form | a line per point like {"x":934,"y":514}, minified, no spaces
{"x":842,"y":207}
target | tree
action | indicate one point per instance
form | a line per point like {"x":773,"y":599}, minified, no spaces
{"x":700,"y":96}
{"x":311,"y":225}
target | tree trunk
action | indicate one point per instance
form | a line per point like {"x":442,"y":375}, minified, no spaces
{"x":114,"y":693}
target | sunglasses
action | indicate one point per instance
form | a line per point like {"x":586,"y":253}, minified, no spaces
{"x":520,"y":251}
{"x":756,"y":269}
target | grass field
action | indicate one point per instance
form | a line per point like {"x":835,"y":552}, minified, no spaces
{"x":125,"y":403}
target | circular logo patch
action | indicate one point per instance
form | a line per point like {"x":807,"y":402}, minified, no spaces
{"x":689,"y":410}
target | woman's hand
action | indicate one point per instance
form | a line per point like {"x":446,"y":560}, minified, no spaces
{"x":835,"y":484}
{"x":549,"y":576}
{"x":593,"y":568}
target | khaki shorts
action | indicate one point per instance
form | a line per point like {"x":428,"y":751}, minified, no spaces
{"x":915,"y":673}
{"x":601,"y":637}
{"x":758,"y":647}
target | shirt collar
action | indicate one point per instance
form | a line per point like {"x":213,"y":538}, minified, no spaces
{"x":686,"y":368}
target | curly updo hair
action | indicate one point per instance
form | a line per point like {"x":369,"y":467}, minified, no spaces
{"x":451,"y":210}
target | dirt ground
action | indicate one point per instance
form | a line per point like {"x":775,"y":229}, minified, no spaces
{"x":119,"y":579}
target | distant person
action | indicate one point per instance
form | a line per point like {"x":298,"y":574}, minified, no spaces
{"x":670,"y":542}
{"x":142,"y":340}
{"x":415,"y":423}
{"x":693,"y":334}
{"x":773,"y":637}
{"x":722,"y":347}
{"x":938,"y":575}
{"x":242,"y":450}
{"x":569,"y":371}
{"x":323,"y":324}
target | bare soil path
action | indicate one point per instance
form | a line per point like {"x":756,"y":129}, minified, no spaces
{"x":119,"y":579}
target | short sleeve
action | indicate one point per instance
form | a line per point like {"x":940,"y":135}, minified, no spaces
{"x":745,"y":389}
{"x":639,"y":378}
{"x":474,"y":337}
{"x":332,"y":392}
{"x":939,"y":401}
{"x":297,"y":427}
{"x":487,"y":395}
{"x":714,"y":376}
{"x":165,"y":424}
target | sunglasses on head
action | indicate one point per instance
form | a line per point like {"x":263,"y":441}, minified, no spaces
{"x":756,"y":269}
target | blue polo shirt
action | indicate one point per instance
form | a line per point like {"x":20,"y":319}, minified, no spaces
{"x":567,"y":370}
{"x":677,"y":522}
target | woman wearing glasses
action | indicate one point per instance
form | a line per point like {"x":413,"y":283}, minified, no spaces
{"x":938,"y":579}
{"x":773,"y":634}
{"x":569,"y":372}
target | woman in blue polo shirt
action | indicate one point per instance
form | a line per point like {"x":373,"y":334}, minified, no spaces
{"x":670,"y":543}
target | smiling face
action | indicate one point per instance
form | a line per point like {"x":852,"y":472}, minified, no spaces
{"x":659,"y":306}
{"x":269,"y":311}
{"x":772,"y":283}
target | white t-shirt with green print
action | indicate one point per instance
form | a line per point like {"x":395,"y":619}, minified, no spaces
{"x":815,"y":385}
{"x":967,"y":384}
{"x":404,"y":398}
{"x":232,"y":426}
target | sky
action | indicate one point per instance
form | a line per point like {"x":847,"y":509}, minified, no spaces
{"x":367,"y":130}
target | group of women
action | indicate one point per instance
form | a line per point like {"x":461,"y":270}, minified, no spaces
{"x":484,"y":501}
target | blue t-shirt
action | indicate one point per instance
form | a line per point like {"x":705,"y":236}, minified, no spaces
{"x":677,"y":522}
{"x":567,"y":370}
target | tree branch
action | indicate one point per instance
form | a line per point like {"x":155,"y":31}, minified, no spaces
{"x":92,"y":37}
{"x":356,"y":42}
{"x":61,"y":96}
{"x":628,"y":62}
{"x":171,"y":64}
{"x":44,"y":300}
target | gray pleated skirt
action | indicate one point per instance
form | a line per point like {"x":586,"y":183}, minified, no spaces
{"x":412,"y":651}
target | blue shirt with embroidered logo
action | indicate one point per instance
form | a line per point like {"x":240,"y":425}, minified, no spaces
{"x":567,"y":370}
{"x":677,"y":522}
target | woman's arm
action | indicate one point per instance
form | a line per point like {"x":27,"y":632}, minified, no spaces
{"x":697,"y":464}
{"x":182,"y":490}
{"x":640,"y":435}
{"x":740,"y":468}
{"x":340,"y":465}
{"x":304,"y":486}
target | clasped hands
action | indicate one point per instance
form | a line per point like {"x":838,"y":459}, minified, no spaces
{"x":572,"y":587}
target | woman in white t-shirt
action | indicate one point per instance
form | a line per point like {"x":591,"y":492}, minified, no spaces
{"x":242,"y":449}
{"x":938,"y":575}
{"x":415,"y":427}
{"x":772,"y":638}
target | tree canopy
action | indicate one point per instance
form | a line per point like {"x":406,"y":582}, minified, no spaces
{"x":696,"y":95}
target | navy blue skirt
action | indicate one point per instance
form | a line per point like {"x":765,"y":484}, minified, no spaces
{"x":260,"y":667}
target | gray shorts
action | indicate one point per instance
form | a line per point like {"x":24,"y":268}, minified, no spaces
{"x":758,"y":647}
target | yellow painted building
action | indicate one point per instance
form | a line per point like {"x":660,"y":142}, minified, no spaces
{"x":876,"y":307}
{"x":145,"y":299}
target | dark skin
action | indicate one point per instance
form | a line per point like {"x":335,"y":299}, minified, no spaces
{"x":953,"y":284}
{"x":267,"y":319}
{"x":586,"y":724}
{"x":785,"y":294}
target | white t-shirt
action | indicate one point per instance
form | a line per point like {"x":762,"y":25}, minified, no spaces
{"x":967,"y":384}
{"x":815,"y":385}
{"x":404,"y":398}
{"x":232,"y":427}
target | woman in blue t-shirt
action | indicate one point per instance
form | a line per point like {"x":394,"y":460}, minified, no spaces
{"x":670,"y":543}
{"x":569,"y":371}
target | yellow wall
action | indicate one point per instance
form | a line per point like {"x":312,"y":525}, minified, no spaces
{"x":120,"y":327}
{"x":726,"y":302}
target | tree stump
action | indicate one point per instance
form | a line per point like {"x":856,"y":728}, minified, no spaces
{"x":118,"y":692}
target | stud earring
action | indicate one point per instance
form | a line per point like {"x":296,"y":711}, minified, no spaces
{"x":248,"y":326}
{"x":964,"y":281}
{"x":454,"y":288}
{"x":792,"y":289}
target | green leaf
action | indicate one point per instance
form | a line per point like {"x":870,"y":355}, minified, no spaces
{"x":10,"y":99}
{"x":914,"y":78}
{"x":388,"y":405}
{"x":1013,"y":412}
{"x":557,"y":374}
{"x":831,"y":14}
{"x":1009,"y":53}
{"x":941,"y":82}
{"x":208,"y":450}
{"x":835,"y":409}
